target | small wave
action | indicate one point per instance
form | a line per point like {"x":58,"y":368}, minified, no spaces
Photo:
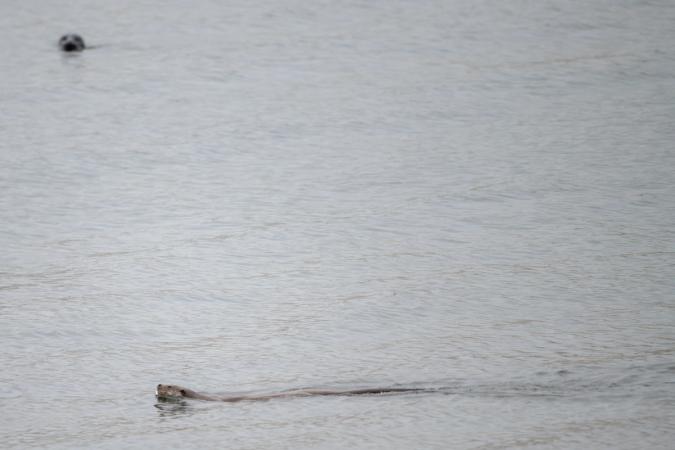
{"x":8,"y":391}
{"x":570,"y":383}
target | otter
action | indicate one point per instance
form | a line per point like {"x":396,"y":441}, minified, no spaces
{"x":71,"y":43}
{"x":168,"y":392}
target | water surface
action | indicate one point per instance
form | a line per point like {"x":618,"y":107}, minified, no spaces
{"x":470,"y":196}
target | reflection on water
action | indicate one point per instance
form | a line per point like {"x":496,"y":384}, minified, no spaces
{"x":173,"y":407}
{"x":468,"y":197}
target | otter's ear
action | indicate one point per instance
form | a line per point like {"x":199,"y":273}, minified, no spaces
{"x":182,"y":392}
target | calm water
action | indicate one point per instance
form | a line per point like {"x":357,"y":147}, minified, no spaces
{"x":476,"y":196}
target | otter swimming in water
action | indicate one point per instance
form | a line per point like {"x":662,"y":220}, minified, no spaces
{"x":167,"y":392}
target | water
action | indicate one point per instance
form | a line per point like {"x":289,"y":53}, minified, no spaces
{"x":474,"y":197}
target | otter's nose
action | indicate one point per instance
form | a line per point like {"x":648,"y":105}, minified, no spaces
{"x":69,"y":47}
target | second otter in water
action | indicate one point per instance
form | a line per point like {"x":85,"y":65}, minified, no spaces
{"x":166,"y":391}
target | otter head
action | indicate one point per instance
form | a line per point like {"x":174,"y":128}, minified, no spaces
{"x":71,"y":43}
{"x":171,"y":391}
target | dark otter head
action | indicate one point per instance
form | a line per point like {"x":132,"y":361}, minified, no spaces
{"x":71,"y":43}
{"x":171,"y":391}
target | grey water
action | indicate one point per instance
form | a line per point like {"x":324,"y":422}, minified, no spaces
{"x":476,"y":198}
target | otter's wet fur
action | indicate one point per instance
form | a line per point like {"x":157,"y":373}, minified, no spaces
{"x":173,"y":392}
